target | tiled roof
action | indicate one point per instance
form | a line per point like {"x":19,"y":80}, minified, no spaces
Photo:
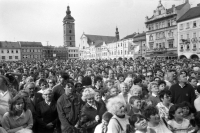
{"x":94,"y":38}
{"x":140,"y":34}
{"x":190,"y":14}
{"x":9,"y":45}
{"x":129,"y":36}
{"x":31,"y":44}
{"x":177,"y":8}
{"x":98,"y":43}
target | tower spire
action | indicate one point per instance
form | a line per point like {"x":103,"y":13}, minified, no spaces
{"x":117,"y":33}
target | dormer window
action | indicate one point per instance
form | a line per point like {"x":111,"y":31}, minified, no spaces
{"x":159,"y":12}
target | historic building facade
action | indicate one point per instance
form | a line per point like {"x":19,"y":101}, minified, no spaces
{"x":95,"y":46}
{"x":161,"y":35}
{"x":48,"y":52}
{"x":140,"y":39}
{"x":189,"y":34}
{"x":31,"y":50}
{"x":10,"y":51}
{"x":73,"y":52}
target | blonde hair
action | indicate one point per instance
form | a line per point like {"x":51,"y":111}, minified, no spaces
{"x":87,"y":93}
{"x":114,"y":103}
{"x":128,"y":79}
{"x":135,"y":88}
{"x":151,"y":84}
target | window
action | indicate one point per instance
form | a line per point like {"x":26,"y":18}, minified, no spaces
{"x":181,"y":36}
{"x":188,"y":25}
{"x":194,"y":35}
{"x":70,"y":38}
{"x":181,"y":47}
{"x":163,"y":24}
{"x":12,"y":51}
{"x":7,"y":51}
{"x":151,"y":45}
{"x":16,"y":57}
{"x":151,"y":38}
{"x":194,"y":24}
{"x":169,"y":23}
{"x":1,"y":51}
{"x":171,"y":44}
{"x":3,"y":57}
{"x":188,"y":36}
{"x":16,"y":51}
{"x":194,"y":46}
{"x":70,"y":43}
{"x":159,"y":12}
{"x":181,"y":28}
{"x":70,"y":31}
{"x":10,"y":57}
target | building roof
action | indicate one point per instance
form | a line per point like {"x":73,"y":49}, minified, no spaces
{"x":129,"y":36}
{"x":140,"y":35}
{"x":9,"y":45}
{"x":31,"y":44}
{"x":190,"y":14}
{"x":98,"y":38}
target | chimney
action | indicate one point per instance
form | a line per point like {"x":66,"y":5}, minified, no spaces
{"x":186,"y":1}
{"x":198,"y":5}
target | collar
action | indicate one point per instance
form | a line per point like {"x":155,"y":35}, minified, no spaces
{"x":182,"y":86}
{"x":48,"y":103}
{"x":3,"y":93}
{"x":18,"y":117}
{"x":93,"y":105}
{"x":154,"y":95}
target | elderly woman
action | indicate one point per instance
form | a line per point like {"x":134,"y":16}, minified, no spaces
{"x":124,"y":92}
{"x":19,"y":118}
{"x":119,"y":121}
{"x":46,"y":113}
{"x":129,"y":82}
{"x":91,"y":112}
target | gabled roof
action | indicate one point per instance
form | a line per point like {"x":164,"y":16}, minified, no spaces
{"x":140,"y":35}
{"x":9,"y":45}
{"x":94,"y":38}
{"x":31,"y":44}
{"x":98,"y":43}
{"x":129,"y":36}
{"x":190,"y":14}
{"x":179,"y":7}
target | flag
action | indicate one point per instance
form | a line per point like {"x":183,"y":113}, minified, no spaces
{"x":132,"y":47}
{"x":136,"y":48}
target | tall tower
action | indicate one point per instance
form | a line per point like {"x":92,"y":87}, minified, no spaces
{"x":117,"y":34}
{"x":69,"y":29}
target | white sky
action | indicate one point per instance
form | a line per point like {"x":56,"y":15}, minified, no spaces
{"x":41,"y":20}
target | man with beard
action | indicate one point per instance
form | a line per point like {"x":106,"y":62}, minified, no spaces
{"x":68,"y":107}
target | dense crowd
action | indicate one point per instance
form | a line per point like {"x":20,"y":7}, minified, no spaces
{"x":100,"y":96}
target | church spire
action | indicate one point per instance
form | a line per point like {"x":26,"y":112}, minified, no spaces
{"x":117,"y":33}
{"x":68,"y":12}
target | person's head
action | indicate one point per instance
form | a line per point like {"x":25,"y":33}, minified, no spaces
{"x":187,"y":108}
{"x":47,"y":95}
{"x":24,"y":76}
{"x":109,"y":84}
{"x":152,"y":115}
{"x":136,"y":90}
{"x":165,"y":96}
{"x":24,"y":94}
{"x":4,"y":82}
{"x":135,"y":101}
{"x":176,"y":112}
{"x":193,"y":74}
{"x":138,"y":122}
{"x":106,"y":118}
{"x":153,"y":87}
{"x":88,"y":95}
{"x":80,"y":78}
{"x":161,"y":85}
{"x":137,"y":81}
{"x":30,"y":88}
{"x":43,"y":84}
{"x":129,"y":81}
{"x":69,"y":88}
{"x":42,"y":74}
{"x":17,"y":104}
{"x":182,"y":77}
{"x":120,"y":77}
{"x":193,"y":81}
{"x":89,"y":72}
{"x":113,"y":91}
{"x":98,"y":81}
{"x":169,"y":76}
{"x":157,"y":79}
{"x":98,"y":96}
{"x":116,"y":106}
{"x":111,"y":74}
{"x":124,"y":88}
{"x":51,"y":83}
{"x":63,"y":78}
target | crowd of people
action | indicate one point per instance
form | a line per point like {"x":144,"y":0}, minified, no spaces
{"x":100,"y":96}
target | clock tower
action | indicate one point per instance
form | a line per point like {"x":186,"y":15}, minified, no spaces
{"x":69,"y":29}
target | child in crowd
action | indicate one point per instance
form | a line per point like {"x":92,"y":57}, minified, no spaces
{"x":176,"y":122}
{"x":138,"y":124}
{"x":102,"y":127}
{"x":153,"y":96}
{"x":161,"y":85}
{"x":187,"y":110}
{"x":134,"y":106}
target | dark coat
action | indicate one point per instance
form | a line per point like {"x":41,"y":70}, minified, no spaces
{"x":46,"y":114}
{"x":88,"y":115}
{"x":68,"y":111}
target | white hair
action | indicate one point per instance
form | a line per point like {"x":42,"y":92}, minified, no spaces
{"x":114,"y":103}
{"x":128,"y":79}
{"x":135,"y":88}
{"x":87,"y":93}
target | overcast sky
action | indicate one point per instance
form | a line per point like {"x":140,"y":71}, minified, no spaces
{"x":41,"y":20}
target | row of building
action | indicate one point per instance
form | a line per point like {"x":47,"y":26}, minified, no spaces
{"x":15,"y":51}
{"x":171,"y":33}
